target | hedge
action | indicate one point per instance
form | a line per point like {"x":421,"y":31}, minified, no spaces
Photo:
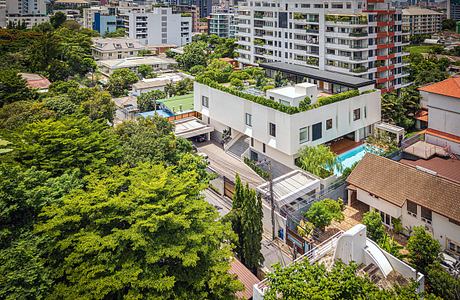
{"x":276,"y":105}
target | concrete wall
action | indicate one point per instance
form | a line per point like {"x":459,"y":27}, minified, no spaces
{"x":379,"y":204}
{"x":230,"y":110}
{"x":444,"y":114}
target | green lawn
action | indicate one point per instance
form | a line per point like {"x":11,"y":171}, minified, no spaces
{"x":419,"y":49}
{"x":179,"y":103}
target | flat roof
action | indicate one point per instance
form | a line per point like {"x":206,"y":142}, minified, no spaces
{"x":175,"y":103}
{"x":333,"y":77}
{"x":191,"y":127}
{"x":290,"y":186}
{"x":135,"y":62}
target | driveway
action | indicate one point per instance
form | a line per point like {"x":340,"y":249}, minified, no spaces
{"x":226,"y":165}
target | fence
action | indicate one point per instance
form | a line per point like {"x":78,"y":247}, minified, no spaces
{"x":185,"y":115}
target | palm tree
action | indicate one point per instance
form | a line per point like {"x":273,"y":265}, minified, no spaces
{"x":170,"y":89}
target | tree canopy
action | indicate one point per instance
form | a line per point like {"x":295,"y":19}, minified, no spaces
{"x":120,"y":81}
{"x":319,"y":160}
{"x":322,"y":213}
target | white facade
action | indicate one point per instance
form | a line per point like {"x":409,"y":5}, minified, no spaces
{"x":223,"y":24}
{"x":26,"y":12}
{"x":444,"y":230}
{"x":293,"y":95}
{"x":161,"y":26}
{"x":158,"y":64}
{"x":115,"y":48}
{"x":443,"y":116}
{"x":349,"y":37}
{"x":291,"y":132}
{"x":421,"y":20}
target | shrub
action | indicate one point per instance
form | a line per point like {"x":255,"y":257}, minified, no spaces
{"x":261,"y":172}
{"x":238,"y":83}
{"x":323,"y":212}
{"x":268,"y":87}
{"x":305,"y":104}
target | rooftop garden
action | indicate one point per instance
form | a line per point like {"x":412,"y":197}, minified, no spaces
{"x":251,"y":84}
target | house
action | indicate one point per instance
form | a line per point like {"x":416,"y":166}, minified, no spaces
{"x":115,"y":48}
{"x":36,"y":82}
{"x":158,"y":63}
{"x":158,"y":83}
{"x":279,"y":135}
{"x":415,"y":196}
{"x":442,"y":101}
{"x":245,"y":276}
{"x":385,"y":270}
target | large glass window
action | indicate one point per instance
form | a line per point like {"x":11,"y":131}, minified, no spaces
{"x":304,"y":134}
{"x":317,"y":132}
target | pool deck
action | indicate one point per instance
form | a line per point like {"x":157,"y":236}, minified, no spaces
{"x":343,"y":145}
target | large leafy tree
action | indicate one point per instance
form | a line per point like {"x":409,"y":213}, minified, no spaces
{"x":146,"y":71}
{"x":148,"y":101}
{"x":19,"y":113}
{"x":58,"y":19}
{"x":121,"y":80}
{"x":138,"y":232}
{"x":100,"y":106}
{"x":13,"y":87}
{"x":319,"y":160}
{"x":423,"y":249}
{"x":374,"y":227}
{"x":149,"y":140}
{"x":400,"y":109}
{"x":70,"y":142}
{"x":194,"y":54}
{"x":305,"y":281}
{"x":427,"y":70}
{"x":322,"y":213}
{"x":443,"y":284}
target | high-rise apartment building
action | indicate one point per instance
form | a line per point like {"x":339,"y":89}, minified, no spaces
{"x":419,"y":20}
{"x":222,"y":24}
{"x":453,"y":9}
{"x":363,"y":38}
{"x":29,"y":12}
{"x":160,"y":26}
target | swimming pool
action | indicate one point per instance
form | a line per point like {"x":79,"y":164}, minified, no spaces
{"x":347,"y":159}
{"x":161,"y":112}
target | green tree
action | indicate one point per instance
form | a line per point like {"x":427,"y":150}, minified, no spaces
{"x":119,"y":32}
{"x":322,"y":213}
{"x":13,"y":87}
{"x":305,"y":281}
{"x":58,"y":19}
{"x":423,"y":249}
{"x":449,"y":24}
{"x":235,"y":214}
{"x":194,"y":55}
{"x":148,"y":101}
{"x":100,"y":106}
{"x":149,"y":140}
{"x":401,"y":109}
{"x":305,"y":103}
{"x":120,"y":81}
{"x":374,"y":227}
{"x":237,"y":83}
{"x":142,"y":232}
{"x":443,"y":284}
{"x":67,"y":143}
{"x":19,"y":113}
{"x":146,"y":71}
{"x":252,"y":230}
{"x":183,"y":87}
{"x":318,"y":160}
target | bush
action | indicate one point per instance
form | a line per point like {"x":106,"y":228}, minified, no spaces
{"x":337,"y":97}
{"x":261,"y":172}
{"x":375,"y":228}
{"x":238,"y":83}
{"x":305,"y":104}
{"x":268,"y":87}
{"x":323,"y":212}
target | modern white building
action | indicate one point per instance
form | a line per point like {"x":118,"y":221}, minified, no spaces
{"x":223,"y":24}
{"x":160,"y":26}
{"x":418,"y":20}
{"x":115,"y":48}
{"x":30,"y":13}
{"x":158,"y":63}
{"x":279,"y":135}
{"x":442,"y":101}
{"x":415,"y":196}
{"x":385,"y":270}
{"x":358,"y":38}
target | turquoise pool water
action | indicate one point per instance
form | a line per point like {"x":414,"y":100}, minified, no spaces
{"x":161,"y":112}
{"x":347,"y":159}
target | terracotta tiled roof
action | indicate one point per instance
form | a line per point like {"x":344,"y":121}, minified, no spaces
{"x":396,"y":183}
{"x":245,"y":277}
{"x":447,"y":168}
{"x":422,"y":115}
{"x":36,"y":81}
{"x":449,"y":87}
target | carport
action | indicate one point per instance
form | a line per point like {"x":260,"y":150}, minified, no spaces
{"x":191,"y":127}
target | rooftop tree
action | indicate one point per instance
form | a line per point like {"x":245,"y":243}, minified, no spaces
{"x":322,"y":213}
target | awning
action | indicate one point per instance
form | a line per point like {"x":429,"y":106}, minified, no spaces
{"x":191,"y":127}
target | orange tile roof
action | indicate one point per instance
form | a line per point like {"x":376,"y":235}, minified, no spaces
{"x":449,"y":87}
{"x":422,"y":115}
{"x":443,"y":135}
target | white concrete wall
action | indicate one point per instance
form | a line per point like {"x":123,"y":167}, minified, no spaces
{"x":230,"y":110}
{"x":444,"y":114}
{"x":442,"y":228}
{"x":381,"y":205}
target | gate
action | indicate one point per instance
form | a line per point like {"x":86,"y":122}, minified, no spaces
{"x":229,"y":188}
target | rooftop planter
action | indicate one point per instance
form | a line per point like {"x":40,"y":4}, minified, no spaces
{"x":275,"y":105}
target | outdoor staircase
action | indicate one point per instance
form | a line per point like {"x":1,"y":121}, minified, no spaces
{"x":239,"y":147}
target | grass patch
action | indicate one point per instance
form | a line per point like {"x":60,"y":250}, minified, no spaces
{"x":419,"y":49}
